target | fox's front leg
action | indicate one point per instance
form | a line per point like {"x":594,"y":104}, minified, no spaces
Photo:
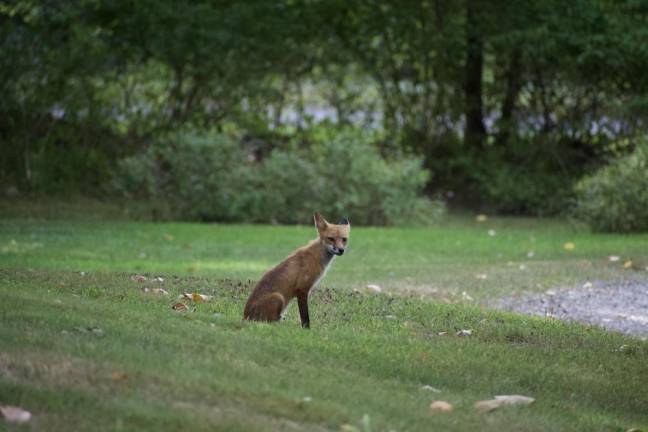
{"x":302,"y":301}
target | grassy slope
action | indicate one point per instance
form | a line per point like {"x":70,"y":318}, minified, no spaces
{"x":207,"y":370}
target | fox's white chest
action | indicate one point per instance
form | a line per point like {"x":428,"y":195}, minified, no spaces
{"x":323,"y":273}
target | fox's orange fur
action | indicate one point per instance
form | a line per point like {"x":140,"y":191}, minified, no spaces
{"x":297,"y":274}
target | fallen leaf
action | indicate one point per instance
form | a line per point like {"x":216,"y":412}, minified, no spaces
{"x":441,"y":406}
{"x":613,"y":258}
{"x":491,"y":404}
{"x":155,"y":291}
{"x":14,"y":414}
{"x":569,"y":246}
{"x":481,"y":276}
{"x":158,"y":279}
{"x":374,"y":288}
{"x":442,"y":333}
{"x":464,"y":333}
{"x":481,"y":218}
{"x":195,"y":297}
{"x":430,"y":388}
{"x":627,"y":264}
{"x":179,"y":307}
{"x":138,"y":278}
{"x":118,"y":376}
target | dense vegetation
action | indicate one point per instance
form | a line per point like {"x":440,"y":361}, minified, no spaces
{"x":506,"y":103}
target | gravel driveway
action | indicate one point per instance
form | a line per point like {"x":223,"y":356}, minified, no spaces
{"x":621,"y":306}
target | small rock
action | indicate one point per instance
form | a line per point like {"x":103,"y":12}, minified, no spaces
{"x":440,"y":406}
{"x":374,"y":288}
{"x":14,"y":414}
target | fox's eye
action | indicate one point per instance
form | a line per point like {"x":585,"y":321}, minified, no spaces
{"x":331,"y":239}
{"x":344,"y":239}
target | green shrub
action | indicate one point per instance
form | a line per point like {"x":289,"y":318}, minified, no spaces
{"x":527,"y":178}
{"x":210,"y":178}
{"x":615,"y":198}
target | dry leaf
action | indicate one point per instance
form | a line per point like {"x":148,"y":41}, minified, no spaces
{"x":155,"y":291}
{"x":14,"y":414}
{"x":441,"y":406}
{"x":442,"y":333}
{"x":464,"y":333}
{"x":118,"y":376}
{"x":627,"y":264}
{"x":569,"y":246}
{"x":430,"y":388}
{"x":179,"y":307}
{"x":138,"y":278}
{"x":613,"y":258}
{"x":491,"y":404}
{"x":481,"y":276}
{"x":374,"y":288}
{"x":195,"y":297}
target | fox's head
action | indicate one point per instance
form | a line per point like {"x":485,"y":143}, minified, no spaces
{"x":333,"y":237}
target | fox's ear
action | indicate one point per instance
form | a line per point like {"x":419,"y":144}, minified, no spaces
{"x":344,"y":221}
{"x":320,"y":222}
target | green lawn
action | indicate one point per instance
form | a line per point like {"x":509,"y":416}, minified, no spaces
{"x":144,"y":366}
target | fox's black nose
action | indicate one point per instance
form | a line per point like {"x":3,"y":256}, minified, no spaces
{"x":341,"y":251}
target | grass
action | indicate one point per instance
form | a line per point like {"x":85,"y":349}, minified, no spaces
{"x":83,"y":347}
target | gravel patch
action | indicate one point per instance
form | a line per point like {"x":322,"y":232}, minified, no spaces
{"x":620,"y":307}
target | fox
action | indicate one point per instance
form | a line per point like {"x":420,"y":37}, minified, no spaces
{"x":297,"y":274}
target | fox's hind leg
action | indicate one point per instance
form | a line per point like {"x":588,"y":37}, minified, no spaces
{"x":267,"y":308}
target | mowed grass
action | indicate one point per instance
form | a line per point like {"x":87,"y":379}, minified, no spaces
{"x":444,"y":261}
{"x":83,"y":347}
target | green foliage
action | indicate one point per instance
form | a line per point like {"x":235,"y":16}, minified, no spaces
{"x":615,"y":198}
{"x":210,"y":178}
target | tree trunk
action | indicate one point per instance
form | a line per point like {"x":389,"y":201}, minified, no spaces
{"x":474,"y":132}
{"x":506,"y":123}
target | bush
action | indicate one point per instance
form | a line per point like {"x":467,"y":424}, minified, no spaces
{"x":210,"y":178}
{"x":526,"y":178}
{"x":615,"y":198}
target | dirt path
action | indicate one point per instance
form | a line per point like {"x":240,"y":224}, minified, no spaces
{"x":621,"y":307}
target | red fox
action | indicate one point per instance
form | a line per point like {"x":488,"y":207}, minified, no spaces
{"x":298,"y":274}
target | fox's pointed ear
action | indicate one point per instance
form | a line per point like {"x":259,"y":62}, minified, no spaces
{"x":344,"y":221}
{"x":320,"y":222}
